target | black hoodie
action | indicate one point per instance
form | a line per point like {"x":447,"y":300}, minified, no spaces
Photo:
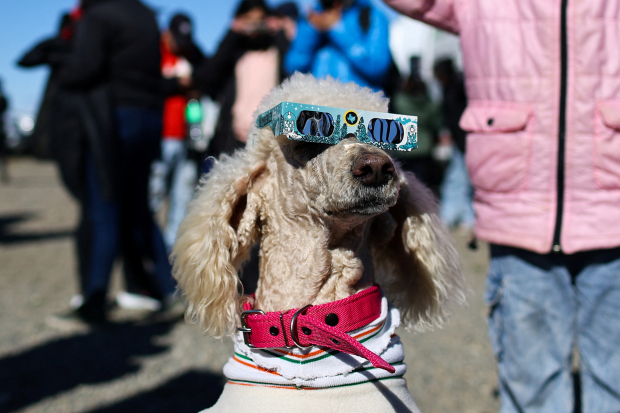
{"x":117,"y":42}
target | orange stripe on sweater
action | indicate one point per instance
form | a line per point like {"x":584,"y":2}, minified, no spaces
{"x":253,"y":366}
{"x":275,"y":386}
{"x":262,"y":385}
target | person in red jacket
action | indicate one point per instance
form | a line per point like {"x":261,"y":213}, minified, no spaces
{"x":175,"y":174}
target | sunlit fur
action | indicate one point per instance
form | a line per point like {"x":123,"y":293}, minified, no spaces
{"x":323,"y":235}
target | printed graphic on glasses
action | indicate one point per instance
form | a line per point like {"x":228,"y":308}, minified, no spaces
{"x":324,"y":124}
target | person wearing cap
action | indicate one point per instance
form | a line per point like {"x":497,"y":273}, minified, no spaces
{"x":175,"y":174}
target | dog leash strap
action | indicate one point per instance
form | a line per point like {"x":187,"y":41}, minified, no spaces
{"x":324,"y":325}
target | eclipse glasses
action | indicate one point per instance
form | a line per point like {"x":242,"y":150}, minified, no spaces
{"x":324,"y":124}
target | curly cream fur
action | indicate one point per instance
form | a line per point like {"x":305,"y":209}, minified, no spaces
{"x":303,"y":205}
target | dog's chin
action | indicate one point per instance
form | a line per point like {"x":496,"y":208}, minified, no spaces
{"x":365,"y":208}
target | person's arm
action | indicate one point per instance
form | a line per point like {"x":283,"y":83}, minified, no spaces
{"x":194,"y":55}
{"x":368,"y":51}
{"x":50,"y":51}
{"x":86,"y":64}
{"x":303,"y":48}
{"x":438,"y":13}
{"x":211,"y":73}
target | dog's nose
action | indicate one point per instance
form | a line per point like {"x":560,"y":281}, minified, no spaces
{"x":373,"y":169}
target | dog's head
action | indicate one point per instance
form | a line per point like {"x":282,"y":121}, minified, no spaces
{"x":350,"y":195}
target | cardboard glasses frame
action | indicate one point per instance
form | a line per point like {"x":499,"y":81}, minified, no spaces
{"x":329,"y":125}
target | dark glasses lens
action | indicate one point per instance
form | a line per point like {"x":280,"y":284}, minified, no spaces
{"x":386,"y":130}
{"x":315,"y":123}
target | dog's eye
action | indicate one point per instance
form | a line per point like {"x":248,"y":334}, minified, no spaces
{"x":302,"y":152}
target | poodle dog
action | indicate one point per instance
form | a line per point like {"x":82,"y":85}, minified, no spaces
{"x":334,"y":223}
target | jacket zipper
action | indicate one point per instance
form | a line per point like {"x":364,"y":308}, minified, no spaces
{"x":561,"y":130}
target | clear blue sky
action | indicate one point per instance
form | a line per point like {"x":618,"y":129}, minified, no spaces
{"x":25,"y":22}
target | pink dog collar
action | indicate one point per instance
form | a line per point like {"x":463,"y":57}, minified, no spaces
{"x":323,"y":325}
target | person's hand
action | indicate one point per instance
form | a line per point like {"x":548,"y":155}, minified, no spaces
{"x":185,"y":82}
{"x":274,"y":24}
{"x":325,"y":20}
{"x":239,"y":26}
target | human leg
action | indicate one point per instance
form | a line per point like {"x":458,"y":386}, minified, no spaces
{"x":456,"y":193}
{"x":531,"y":327}
{"x":101,"y":238}
{"x":161,"y":169}
{"x":140,"y":131}
{"x":181,"y":192}
{"x":598,"y":326}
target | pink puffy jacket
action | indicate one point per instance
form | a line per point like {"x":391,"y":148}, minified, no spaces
{"x":543,"y":82}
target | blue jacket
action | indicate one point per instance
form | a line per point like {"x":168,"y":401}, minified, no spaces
{"x":346,"y":51}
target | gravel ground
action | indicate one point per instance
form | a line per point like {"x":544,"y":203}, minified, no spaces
{"x":146,"y":364}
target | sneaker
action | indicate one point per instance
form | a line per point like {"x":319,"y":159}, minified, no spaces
{"x":131,"y":301}
{"x":76,"y":301}
{"x":69,"y":321}
{"x":94,"y":309}
{"x":91,"y":312}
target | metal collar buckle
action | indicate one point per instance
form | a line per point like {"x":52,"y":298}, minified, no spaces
{"x":294,"y":328}
{"x":244,"y":329}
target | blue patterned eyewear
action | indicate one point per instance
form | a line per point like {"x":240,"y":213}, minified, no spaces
{"x":324,"y":124}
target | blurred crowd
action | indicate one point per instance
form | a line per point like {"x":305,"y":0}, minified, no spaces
{"x":134,"y":114}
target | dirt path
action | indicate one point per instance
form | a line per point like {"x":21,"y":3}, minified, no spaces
{"x":146,"y":365}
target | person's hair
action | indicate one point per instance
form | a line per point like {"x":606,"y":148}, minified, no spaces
{"x":329,"y":4}
{"x":247,"y":5}
{"x":288,"y":9}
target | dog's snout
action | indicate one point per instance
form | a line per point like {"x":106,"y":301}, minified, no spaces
{"x":373,"y":169}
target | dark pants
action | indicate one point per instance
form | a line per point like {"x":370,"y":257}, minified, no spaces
{"x":125,"y":225}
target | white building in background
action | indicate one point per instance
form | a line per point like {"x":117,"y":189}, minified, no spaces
{"x":410,"y":38}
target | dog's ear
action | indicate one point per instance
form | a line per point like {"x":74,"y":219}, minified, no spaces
{"x":414,"y":256}
{"x":214,"y":239}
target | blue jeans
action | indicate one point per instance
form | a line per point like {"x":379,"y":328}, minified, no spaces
{"x":103,"y":232}
{"x":543,"y":306}
{"x":125,"y":225}
{"x":456,"y":193}
{"x":176,"y":175}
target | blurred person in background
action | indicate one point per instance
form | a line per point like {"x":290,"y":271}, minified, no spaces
{"x":284,"y":18}
{"x":413,"y":99}
{"x":345,"y":39}
{"x":456,"y":192}
{"x":176,"y":173}
{"x":245,"y":67}
{"x":543,"y":145}
{"x":4,"y":105}
{"x":115,"y":62}
{"x":52,"y":52}
{"x":64,"y":129}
